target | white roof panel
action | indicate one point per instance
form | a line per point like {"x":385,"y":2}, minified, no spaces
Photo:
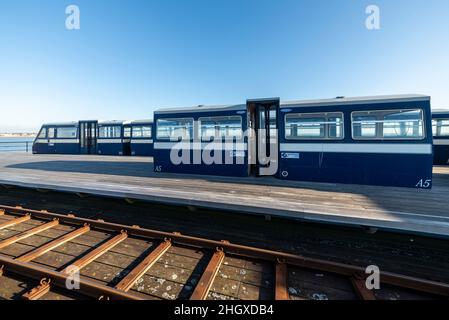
{"x":71,"y":123}
{"x":356,"y":100}
{"x":111,"y":122}
{"x":203,"y":108}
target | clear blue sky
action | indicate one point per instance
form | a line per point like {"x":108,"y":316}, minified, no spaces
{"x":131,"y":57}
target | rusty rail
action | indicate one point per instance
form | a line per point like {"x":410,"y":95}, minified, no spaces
{"x":91,"y":288}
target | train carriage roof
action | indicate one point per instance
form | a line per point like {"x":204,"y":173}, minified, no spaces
{"x":203,"y":108}
{"x":356,"y":100}
{"x":111,"y":122}
{"x":137,"y":122}
{"x":60,"y":124}
{"x":440,"y":112}
{"x":303,"y":103}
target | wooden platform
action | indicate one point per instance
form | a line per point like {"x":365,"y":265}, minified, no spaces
{"x":402,"y":209}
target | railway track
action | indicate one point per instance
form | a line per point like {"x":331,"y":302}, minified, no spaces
{"x":41,"y":253}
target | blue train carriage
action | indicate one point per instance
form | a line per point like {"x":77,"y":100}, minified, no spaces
{"x":384,"y":140}
{"x":111,"y":138}
{"x":440,"y":129}
{"x":67,"y":138}
{"x":57,"y":138}
{"x":140,"y":135}
{"x":201,"y":140}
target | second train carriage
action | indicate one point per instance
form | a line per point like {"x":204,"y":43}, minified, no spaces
{"x":111,"y":139}
{"x":383,"y":140}
{"x":187,"y":132}
{"x":140,"y":135}
{"x":440,"y":128}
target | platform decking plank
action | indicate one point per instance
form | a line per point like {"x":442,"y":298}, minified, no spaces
{"x":406,"y":209}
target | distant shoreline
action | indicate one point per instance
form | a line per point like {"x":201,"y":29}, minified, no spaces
{"x":17,"y":135}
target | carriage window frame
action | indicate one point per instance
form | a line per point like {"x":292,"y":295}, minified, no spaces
{"x":383,"y":138}
{"x":326,"y":116}
{"x":436,"y":135}
{"x":127,"y":132}
{"x":221,"y":137}
{"x":44,"y":132}
{"x":120,"y":134}
{"x":65,"y":127}
{"x":142,"y":126}
{"x":53,"y":130}
{"x":186,"y":119}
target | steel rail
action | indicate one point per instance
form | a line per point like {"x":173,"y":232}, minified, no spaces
{"x":44,"y":286}
{"x":394,"y":279}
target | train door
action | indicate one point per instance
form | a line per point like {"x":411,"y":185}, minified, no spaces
{"x":263,"y":142}
{"x":127,"y":132}
{"x":51,"y":136}
{"x":88,"y":137}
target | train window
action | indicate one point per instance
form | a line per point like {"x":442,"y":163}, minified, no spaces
{"x":220,"y":127}
{"x":174,"y":129}
{"x":43,"y":133}
{"x":110,"y":132}
{"x":66,"y":132}
{"x":51,"y":133}
{"x":142,"y":132}
{"x":440,"y":127}
{"x":364,"y":126}
{"x":388,"y":124}
{"x":326,"y":126}
{"x":444,"y":127}
{"x":335,"y":127}
{"x":127,"y":132}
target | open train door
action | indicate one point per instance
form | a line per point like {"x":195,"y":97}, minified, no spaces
{"x":88,"y":137}
{"x":263,"y":142}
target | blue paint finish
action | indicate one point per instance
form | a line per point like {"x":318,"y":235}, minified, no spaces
{"x":142,"y":149}
{"x":440,"y":155}
{"x":403,"y":170}
{"x":112,"y":144}
{"x":110,"y":149}
{"x":162,"y":162}
{"x":383,"y":169}
{"x":56,"y":145}
{"x":56,"y":148}
{"x":137,"y":148}
{"x":361,"y":168}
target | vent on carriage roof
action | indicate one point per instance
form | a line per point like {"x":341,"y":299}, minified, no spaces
{"x":340,"y":97}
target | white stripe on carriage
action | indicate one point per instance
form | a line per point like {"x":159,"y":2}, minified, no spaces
{"x":141,"y":141}
{"x":200,"y":146}
{"x":57,"y":141}
{"x":109,"y":141}
{"x":441,"y":142}
{"x":358,"y":148}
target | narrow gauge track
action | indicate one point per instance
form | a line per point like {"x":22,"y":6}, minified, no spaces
{"x":40,"y":250}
